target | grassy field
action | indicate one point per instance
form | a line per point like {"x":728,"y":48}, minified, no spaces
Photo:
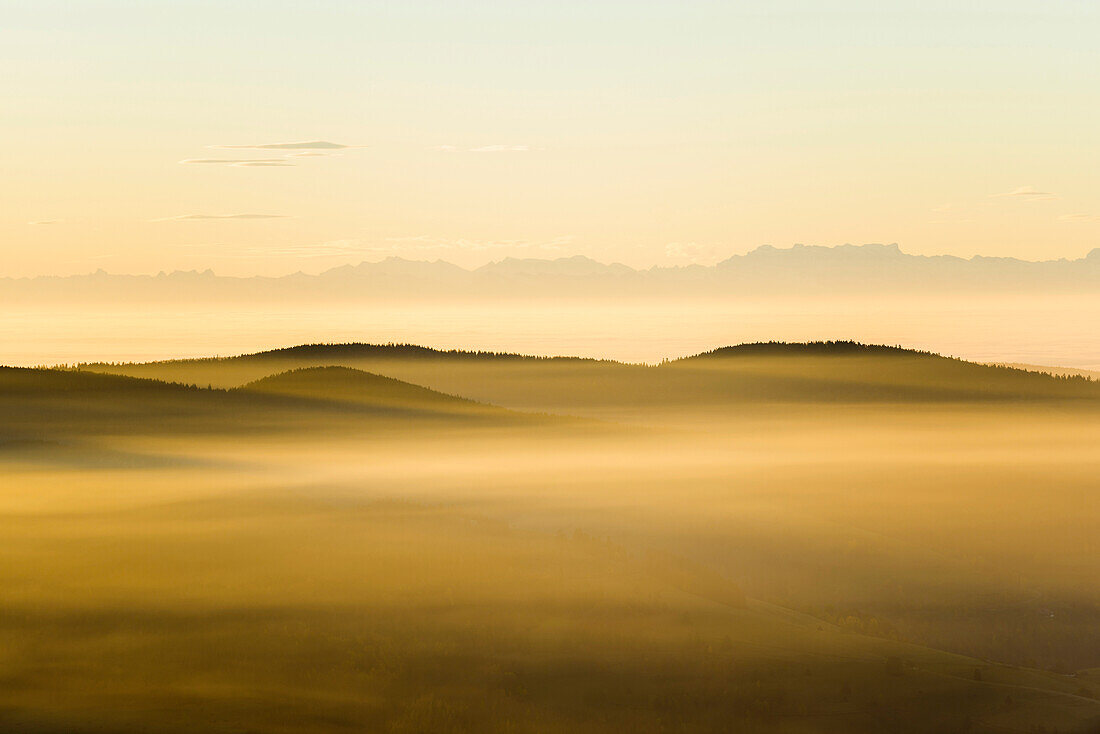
{"x":772,"y":538}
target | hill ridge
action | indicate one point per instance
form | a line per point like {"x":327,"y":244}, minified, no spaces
{"x":366,"y":386}
{"x":761,"y":372}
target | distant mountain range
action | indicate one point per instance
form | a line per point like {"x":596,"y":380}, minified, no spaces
{"x":766,"y":270}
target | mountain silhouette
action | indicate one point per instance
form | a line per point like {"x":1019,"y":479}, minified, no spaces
{"x":766,"y":270}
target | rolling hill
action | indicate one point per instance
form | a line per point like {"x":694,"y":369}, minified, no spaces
{"x":745,"y":375}
{"x":344,"y":385}
{"x":844,"y":371}
{"x":52,"y":404}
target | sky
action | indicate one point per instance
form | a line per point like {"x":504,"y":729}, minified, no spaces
{"x":152,"y":135}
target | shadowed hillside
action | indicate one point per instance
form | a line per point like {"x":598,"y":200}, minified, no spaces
{"x":53,"y":403}
{"x":65,"y":402}
{"x":346,"y":385}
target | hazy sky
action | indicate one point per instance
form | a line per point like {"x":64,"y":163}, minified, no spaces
{"x":646,"y":132}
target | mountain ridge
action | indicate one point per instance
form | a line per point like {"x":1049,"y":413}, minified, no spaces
{"x":764,"y":270}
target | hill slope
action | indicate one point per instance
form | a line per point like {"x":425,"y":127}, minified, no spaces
{"x":850,"y":371}
{"x":356,"y":387}
{"x":48,"y":404}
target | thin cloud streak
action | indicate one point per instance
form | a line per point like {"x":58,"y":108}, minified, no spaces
{"x":484,"y":149}
{"x":302,"y":145}
{"x":206,"y":217}
{"x":237,"y":162}
{"x":1029,"y":193}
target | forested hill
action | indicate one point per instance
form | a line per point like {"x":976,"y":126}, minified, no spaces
{"x":816,"y":372}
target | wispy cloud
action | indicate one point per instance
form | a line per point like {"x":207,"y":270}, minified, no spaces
{"x":1030,"y":193}
{"x":43,"y":222}
{"x":201,"y":217}
{"x":290,"y":152}
{"x":484,"y":149}
{"x":238,"y":162}
{"x":1079,"y":218}
{"x":300,"y":145}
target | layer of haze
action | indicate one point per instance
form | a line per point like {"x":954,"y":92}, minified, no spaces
{"x":1038,"y":329}
{"x":771,"y":539}
{"x":655,"y":132}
